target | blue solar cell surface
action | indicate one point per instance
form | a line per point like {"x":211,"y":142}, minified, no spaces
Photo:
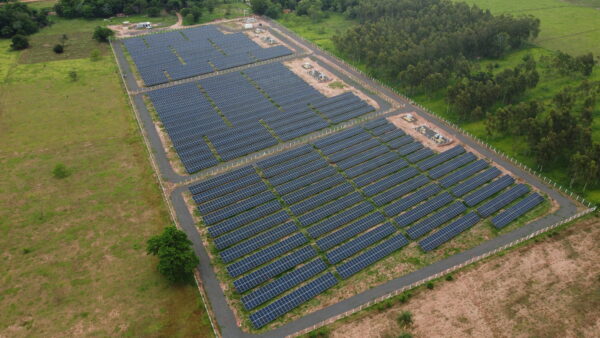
{"x":502,"y":200}
{"x":448,"y":232}
{"x":519,"y":209}
{"x":376,"y":253}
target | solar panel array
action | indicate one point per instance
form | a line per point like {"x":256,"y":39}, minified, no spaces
{"x":176,"y":55}
{"x":224,"y":117}
{"x":328,"y":197}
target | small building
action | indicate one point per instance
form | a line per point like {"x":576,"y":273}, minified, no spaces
{"x":259,"y":31}
{"x":307,"y":65}
{"x":248,"y":26}
{"x":409,"y":118}
{"x":143,"y":25}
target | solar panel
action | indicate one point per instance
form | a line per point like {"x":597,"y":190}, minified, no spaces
{"x":330,"y":209}
{"x":255,"y":243}
{"x":359,"y":243}
{"x":340,"y":219}
{"x":350,"y":231}
{"x":440,"y":158}
{"x":412,"y":200}
{"x":463,"y":173}
{"x":290,"y":301}
{"x":435,"y":220}
{"x":451,"y":165}
{"x":502,"y":200}
{"x":376,"y":253}
{"x":248,"y":231}
{"x":448,"y":232}
{"x":261,"y":257}
{"x":424,"y":209}
{"x":274,"y":268}
{"x":283,"y":283}
{"x":244,"y":218}
{"x":489,"y":190}
{"x":390,"y":181}
{"x":517,"y":210}
{"x":471,"y":184}
{"x":400,"y":190}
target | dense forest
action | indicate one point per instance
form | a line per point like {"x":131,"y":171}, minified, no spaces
{"x":107,"y":8}
{"x":19,"y":19}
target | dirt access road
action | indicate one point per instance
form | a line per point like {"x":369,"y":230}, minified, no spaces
{"x":547,"y":289}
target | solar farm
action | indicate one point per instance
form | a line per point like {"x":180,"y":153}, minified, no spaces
{"x":288,"y":231}
{"x":224,"y":117}
{"x":177,"y":55}
{"x":294,"y":225}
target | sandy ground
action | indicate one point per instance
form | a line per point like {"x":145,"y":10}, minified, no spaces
{"x":324,"y":88}
{"x":547,"y":289}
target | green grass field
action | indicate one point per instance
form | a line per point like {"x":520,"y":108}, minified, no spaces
{"x":73,"y":249}
{"x":570,"y":26}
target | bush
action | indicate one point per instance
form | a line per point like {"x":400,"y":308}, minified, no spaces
{"x":404,"y":297}
{"x":177,"y":260}
{"x":322,"y":332}
{"x":73,"y":75}
{"x":58,"y":49}
{"x":60,"y":171}
{"x":19,"y":42}
{"x":405,"y":318}
{"x":405,"y":335}
{"x":449,"y":278}
{"x":429,"y":285}
{"x":101,"y":34}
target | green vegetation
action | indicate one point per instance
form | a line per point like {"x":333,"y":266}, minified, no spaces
{"x":405,"y":319}
{"x":176,"y":259}
{"x":20,"y":19}
{"x":552,"y":81}
{"x":19,"y":42}
{"x":74,"y":260}
{"x":60,"y":171}
{"x":101,"y":34}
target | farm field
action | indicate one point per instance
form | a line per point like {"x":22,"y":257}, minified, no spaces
{"x":550,"y":82}
{"x":547,"y":289}
{"x":73,"y":255}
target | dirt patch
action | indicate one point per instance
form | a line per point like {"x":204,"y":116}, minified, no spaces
{"x":551,"y":289}
{"x":258,"y":39}
{"x":325,"y":88}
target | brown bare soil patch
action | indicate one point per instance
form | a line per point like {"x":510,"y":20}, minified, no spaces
{"x":550,"y":289}
{"x":324,"y":88}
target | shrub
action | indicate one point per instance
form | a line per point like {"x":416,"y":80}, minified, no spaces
{"x":429,"y":285}
{"x":60,"y":171}
{"x":405,"y":335}
{"x":177,"y":260}
{"x":322,"y":332}
{"x":449,"y":278}
{"x":73,"y":75}
{"x":405,"y":318}
{"x":101,"y":34}
{"x":189,"y":19}
{"x":58,"y":49}
{"x":19,"y":42}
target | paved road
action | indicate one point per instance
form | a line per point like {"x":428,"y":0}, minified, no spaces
{"x":224,"y":315}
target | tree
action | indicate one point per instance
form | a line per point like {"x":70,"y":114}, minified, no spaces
{"x":19,"y":42}
{"x":189,"y":19}
{"x":58,"y":48}
{"x":153,"y":12}
{"x":19,"y":18}
{"x":405,"y":318}
{"x":273,"y":11}
{"x":259,"y":6}
{"x":177,"y":260}
{"x":101,"y":34}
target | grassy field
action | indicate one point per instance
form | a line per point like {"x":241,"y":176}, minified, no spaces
{"x":73,"y":255}
{"x":550,"y":82}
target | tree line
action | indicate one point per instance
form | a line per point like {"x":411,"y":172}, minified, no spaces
{"x":108,"y":8}
{"x":19,"y":19}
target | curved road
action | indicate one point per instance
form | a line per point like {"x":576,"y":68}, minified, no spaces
{"x":224,"y":315}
